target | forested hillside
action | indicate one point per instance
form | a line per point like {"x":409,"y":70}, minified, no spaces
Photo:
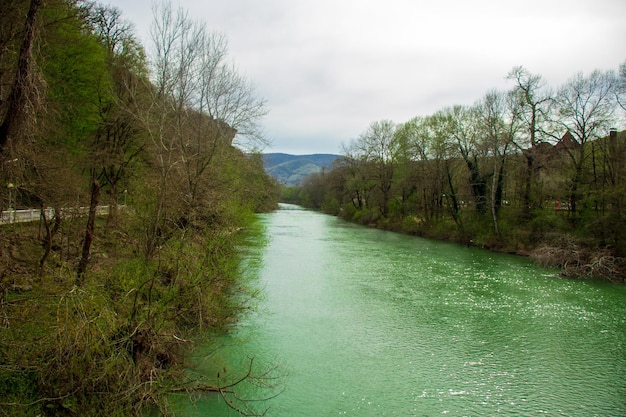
{"x":290,"y":170}
{"x":97,"y":314}
{"x":533,"y":170}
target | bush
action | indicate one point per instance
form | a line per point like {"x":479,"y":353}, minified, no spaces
{"x":331,"y":206}
{"x":412,"y":225}
{"x":546,"y":222}
{"x":347,"y":211}
{"x":116,"y":345}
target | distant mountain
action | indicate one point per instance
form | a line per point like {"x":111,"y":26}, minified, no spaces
{"x":291,"y":169}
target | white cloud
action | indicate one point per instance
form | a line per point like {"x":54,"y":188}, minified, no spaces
{"x":328,"y":68}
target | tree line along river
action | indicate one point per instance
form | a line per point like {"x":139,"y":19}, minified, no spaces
{"x":362,"y":322}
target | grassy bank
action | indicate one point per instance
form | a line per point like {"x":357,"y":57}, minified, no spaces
{"x":116,"y":345}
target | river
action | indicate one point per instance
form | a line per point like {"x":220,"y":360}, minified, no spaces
{"x":362,"y":322}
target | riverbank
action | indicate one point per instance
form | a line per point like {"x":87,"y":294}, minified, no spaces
{"x":548,"y":238}
{"x":119,"y":343}
{"x":576,"y":257}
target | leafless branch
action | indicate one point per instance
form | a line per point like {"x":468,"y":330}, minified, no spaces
{"x":266,"y":380}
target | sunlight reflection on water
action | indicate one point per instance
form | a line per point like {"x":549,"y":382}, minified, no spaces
{"x":370,"y":323}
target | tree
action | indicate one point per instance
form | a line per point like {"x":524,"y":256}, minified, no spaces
{"x":357,"y":182}
{"x":584,"y":109}
{"x":621,"y":87}
{"x":200,"y":105}
{"x":80,"y":82}
{"x":107,"y":23}
{"x":118,"y":141}
{"x":376,"y":149}
{"x":421,"y":156}
{"x":175,"y":44}
{"x":227,"y":111}
{"x":497,"y":134}
{"x":466,"y":133}
{"x":445,"y":151}
{"x":116,"y":345}
{"x":21,"y":94}
{"x":409,"y":138}
{"x":529,"y":105}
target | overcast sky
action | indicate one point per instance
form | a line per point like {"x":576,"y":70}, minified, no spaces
{"x":328,"y":68}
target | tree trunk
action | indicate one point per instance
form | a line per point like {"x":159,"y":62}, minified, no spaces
{"x":22,"y":87}
{"x":89,"y":232}
{"x":455,"y":202}
{"x":49,"y":236}
{"x":574,"y":197}
{"x":530,"y":175}
{"x":497,"y":190}
{"x":478,"y":185}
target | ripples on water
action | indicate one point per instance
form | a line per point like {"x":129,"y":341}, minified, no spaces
{"x":370,"y":323}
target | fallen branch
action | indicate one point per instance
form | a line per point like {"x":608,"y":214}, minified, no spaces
{"x":576,"y":261}
{"x":230,"y":394}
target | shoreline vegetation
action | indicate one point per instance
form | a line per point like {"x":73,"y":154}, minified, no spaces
{"x":99,"y":314}
{"x":536,"y":171}
{"x":576,"y":258}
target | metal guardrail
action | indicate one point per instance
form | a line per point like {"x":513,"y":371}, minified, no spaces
{"x":33,"y":215}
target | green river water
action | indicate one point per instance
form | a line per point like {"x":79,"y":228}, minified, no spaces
{"x":361,"y":322}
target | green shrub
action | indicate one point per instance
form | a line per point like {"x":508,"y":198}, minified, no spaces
{"x":331,"y":206}
{"x":546,"y":222}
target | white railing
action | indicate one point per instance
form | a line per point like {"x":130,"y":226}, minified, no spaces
{"x":33,"y":215}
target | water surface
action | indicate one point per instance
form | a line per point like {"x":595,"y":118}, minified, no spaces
{"x":362,"y":322}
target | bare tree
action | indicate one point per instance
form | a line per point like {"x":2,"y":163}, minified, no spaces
{"x":529,"y":105}
{"x":445,"y":151}
{"x":200,"y":105}
{"x":467,"y":135}
{"x":114,"y":31}
{"x":497,"y":130}
{"x":423,"y":161}
{"x":357,"y":183}
{"x":621,"y":87}
{"x":229,"y":97}
{"x":376,"y":149}
{"x":227,"y":111}
{"x":585,"y":109}
{"x":175,"y":43}
{"x":412,"y":138}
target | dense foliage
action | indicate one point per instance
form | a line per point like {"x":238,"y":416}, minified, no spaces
{"x":97,"y":313}
{"x":532,"y":171}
